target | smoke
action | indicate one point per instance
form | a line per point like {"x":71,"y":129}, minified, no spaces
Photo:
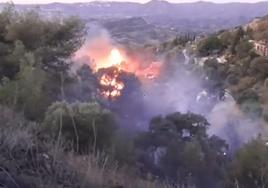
{"x":231,"y":124}
{"x":183,"y":91}
{"x":176,"y":89}
{"x":176,"y":92}
{"x":97,"y":47}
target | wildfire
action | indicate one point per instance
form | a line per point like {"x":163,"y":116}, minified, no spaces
{"x":116,"y":58}
{"x":100,"y":54}
{"x":111,"y":85}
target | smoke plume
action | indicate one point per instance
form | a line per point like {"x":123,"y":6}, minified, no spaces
{"x":175,"y":89}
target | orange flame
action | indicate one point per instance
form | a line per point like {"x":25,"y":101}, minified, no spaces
{"x":101,"y":54}
{"x":113,"y":86}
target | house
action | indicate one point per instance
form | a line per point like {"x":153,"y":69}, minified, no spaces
{"x":261,"y":47}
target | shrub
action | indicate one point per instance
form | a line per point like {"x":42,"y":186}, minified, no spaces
{"x":27,"y":162}
{"x":243,"y":48}
{"x":249,"y":168}
{"x":210,"y":45}
{"x":86,"y":125}
{"x":250,"y":103}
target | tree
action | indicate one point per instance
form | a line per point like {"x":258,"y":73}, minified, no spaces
{"x":51,"y":41}
{"x":260,"y":66}
{"x":178,"y":149}
{"x":227,"y":37}
{"x":27,"y":92}
{"x":82,"y":87}
{"x":249,"y":102}
{"x":243,"y":48}
{"x":210,"y":45}
{"x":250,"y":165}
{"x":86,"y":126}
{"x":34,"y":59}
{"x":239,"y":33}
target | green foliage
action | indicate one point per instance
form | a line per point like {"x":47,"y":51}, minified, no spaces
{"x":238,"y":35}
{"x":34,"y":73}
{"x":188,"y":165}
{"x":227,"y":38}
{"x":50,"y":41}
{"x":26,"y":93}
{"x":210,"y":45}
{"x":244,"y":72}
{"x":122,"y":148}
{"x":35,"y":53}
{"x":87,"y":126}
{"x":260,"y":66}
{"x":249,"y":103}
{"x":250,"y":166}
{"x":243,"y":48}
{"x":182,"y":40}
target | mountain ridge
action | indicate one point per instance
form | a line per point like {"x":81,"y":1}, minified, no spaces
{"x":201,"y":16}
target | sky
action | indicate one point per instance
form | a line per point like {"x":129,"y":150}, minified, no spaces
{"x":141,"y":1}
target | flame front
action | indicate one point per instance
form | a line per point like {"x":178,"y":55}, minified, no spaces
{"x":112,"y":86}
{"x":100,"y":54}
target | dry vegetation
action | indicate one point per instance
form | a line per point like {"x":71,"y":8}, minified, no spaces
{"x":27,"y":161}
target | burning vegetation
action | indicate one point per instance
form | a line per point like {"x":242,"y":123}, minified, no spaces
{"x":62,"y":135}
{"x":111,"y":85}
{"x":109,"y":63}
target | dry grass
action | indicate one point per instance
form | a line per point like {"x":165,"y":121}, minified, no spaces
{"x":28,"y":162}
{"x":99,"y":170}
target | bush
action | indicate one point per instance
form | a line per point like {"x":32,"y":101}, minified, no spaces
{"x":86,"y":126}
{"x":210,"y":45}
{"x":249,"y":168}
{"x":260,"y":65}
{"x":51,"y":41}
{"x":35,"y":52}
{"x":27,"y":162}
{"x":178,"y":149}
{"x":250,"y":103}
{"x":243,"y":48}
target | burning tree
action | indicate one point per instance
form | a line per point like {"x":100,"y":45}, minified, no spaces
{"x":122,"y":90}
{"x":120,"y":77}
{"x":111,"y":85}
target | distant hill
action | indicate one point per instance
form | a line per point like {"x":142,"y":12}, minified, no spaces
{"x":137,"y":30}
{"x":196,"y":17}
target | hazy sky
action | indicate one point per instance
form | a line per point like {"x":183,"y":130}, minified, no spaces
{"x":141,"y":1}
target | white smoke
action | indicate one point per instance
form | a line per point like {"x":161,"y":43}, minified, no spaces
{"x":181,"y":91}
{"x":231,"y":124}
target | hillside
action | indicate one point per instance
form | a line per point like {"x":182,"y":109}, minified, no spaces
{"x":238,"y":60}
{"x":79,"y":110}
{"x":136,"y":30}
